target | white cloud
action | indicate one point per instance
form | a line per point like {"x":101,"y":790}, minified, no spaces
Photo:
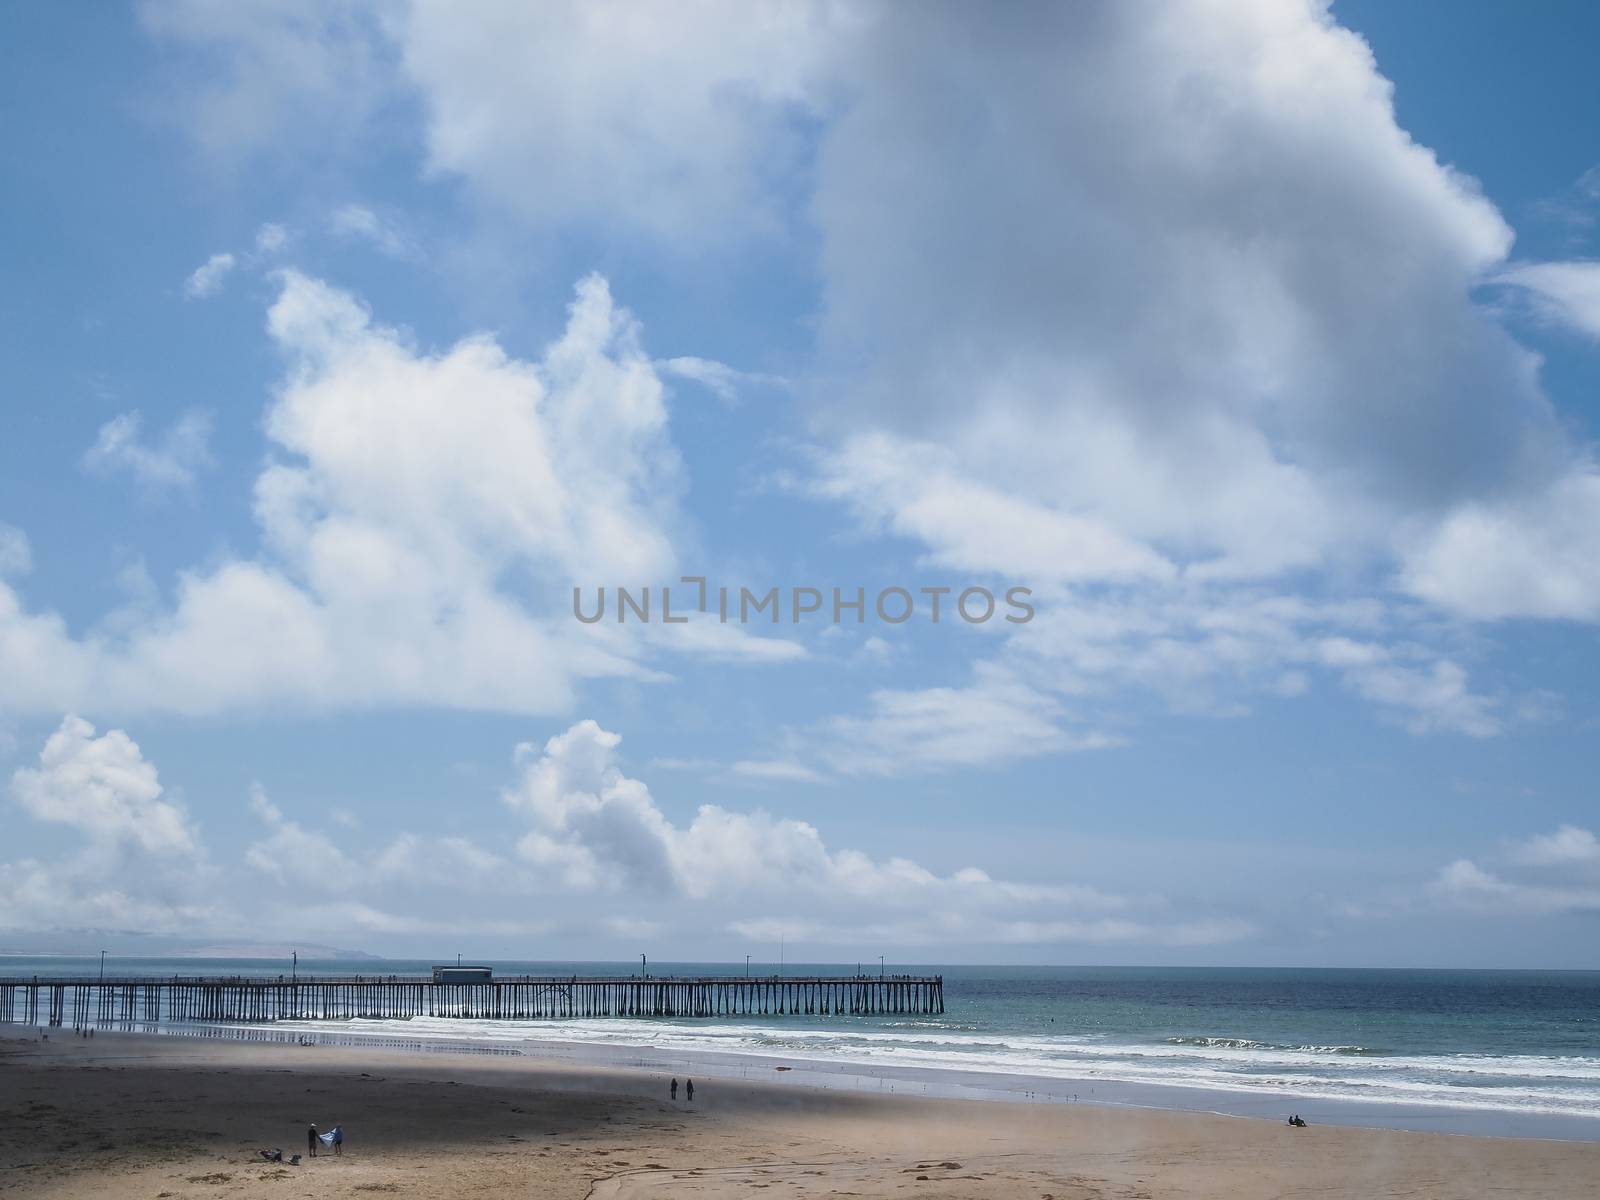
{"x":1199,"y":647}
{"x":1191,"y":303}
{"x":141,"y":863}
{"x":677,"y":123}
{"x":292,"y":854}
{"x":358,"y":221}
{"x":173,"y":462}
{"x":1206,"y":649}
{"x":1534,"y":556}
{"x":424,"y":518}
{"x":1428,"y":697}
{"x":599,"y":830}
{"x":1550,"y":874}
{"x":671,"y":122}
{"x":683,"y":764}
{"x":103,"y":787}
{"x":919,"y":492}
{"x":721,"y":380}
{"x":775,"y":771}
{"x":705,"y":637}
{"x":1577,"y":207}
{"x":471,"y":453}
{"x":1191,"y":288}
{"x":1464,"y":884}
{"x":1566,"y":292}
{"x":1194,"y":301}
{"x":88,"y":893}
{"x":1567,"y":845}
{"x":997,"y":718}
{"x":257,"y":76}
{"x":16,"y":555}
{"x":589,"y":831}
{"x":409,"y":857}
{"x":874,"y":649}
{"x":271,"y":239}
{"x":206,"y":279}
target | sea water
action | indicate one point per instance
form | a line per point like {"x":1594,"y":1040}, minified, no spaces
{"x":1485,"y":1051}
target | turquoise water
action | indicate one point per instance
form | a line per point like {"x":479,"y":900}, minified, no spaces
{"x":1523,"y":1043}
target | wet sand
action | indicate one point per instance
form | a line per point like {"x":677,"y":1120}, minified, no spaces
{"x":142,"y":1116}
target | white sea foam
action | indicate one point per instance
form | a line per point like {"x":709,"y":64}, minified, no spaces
{"x":1554,"y":1084}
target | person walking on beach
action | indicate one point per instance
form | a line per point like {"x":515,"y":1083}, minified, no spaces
{"x":311,"y":1140}
{"x":689,"y":1090}
{"x":674,"y":1087}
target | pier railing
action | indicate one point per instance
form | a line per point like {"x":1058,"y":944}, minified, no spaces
{"x":84,"y":1002}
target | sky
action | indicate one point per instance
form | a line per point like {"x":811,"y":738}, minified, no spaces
{"x":346,"y":346}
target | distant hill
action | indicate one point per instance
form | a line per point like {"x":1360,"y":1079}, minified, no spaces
{"x":132,"y":943}
{"x":311,"y":950}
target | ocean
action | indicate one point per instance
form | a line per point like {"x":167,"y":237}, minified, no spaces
{"x":1468,"y":1051}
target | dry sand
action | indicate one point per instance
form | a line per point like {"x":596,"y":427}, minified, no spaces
{"x":125,"y":1115}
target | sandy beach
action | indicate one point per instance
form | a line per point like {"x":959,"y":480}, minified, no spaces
{"x":129,"y":1115}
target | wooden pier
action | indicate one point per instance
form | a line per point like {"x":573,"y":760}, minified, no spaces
{"x":86,"y":1003}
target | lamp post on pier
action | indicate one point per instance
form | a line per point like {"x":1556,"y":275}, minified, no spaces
{"x":102,"y":966}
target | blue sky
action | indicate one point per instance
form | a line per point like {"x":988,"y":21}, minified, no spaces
{"x":1259,"y":341}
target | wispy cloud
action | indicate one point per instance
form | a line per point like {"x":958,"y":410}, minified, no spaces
{"x":723,"y":381}
{"x":16,"y":554}
{"x":775,"y":770}
{"x":1548,"y":874}
{"x":172,"y":462}
{"x":206,"y":279}
{"x":363,"y":224}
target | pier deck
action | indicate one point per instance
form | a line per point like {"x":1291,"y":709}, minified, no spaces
{"x":84,"y":1002}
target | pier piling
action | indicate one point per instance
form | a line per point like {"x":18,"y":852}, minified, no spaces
{"x":143,"y":1000}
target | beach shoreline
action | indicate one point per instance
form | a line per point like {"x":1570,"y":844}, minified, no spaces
{"x":146,"y":1115}
{"x":972,"y":1084}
